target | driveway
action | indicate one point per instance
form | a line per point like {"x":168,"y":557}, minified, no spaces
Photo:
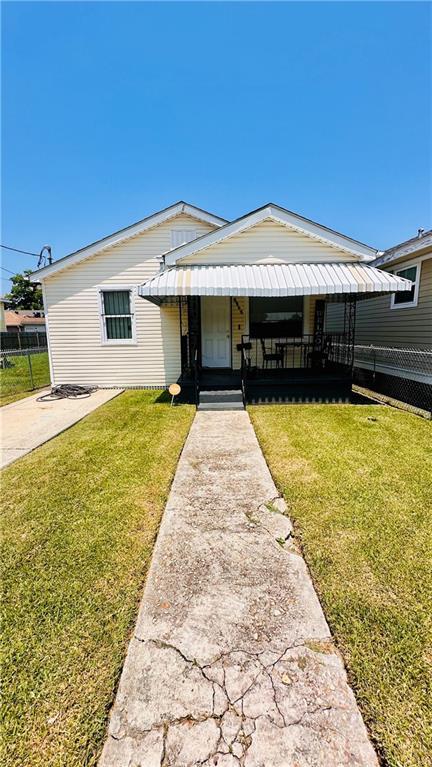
{"x":231,"y":662}
{"x":26,"y":424}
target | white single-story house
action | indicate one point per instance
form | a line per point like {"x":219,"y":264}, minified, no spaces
{"x":185,"y":295}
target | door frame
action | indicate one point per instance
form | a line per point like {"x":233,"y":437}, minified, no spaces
{"x":230,"y":362}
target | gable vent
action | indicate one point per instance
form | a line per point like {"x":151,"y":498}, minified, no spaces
{"x":182,"y":236}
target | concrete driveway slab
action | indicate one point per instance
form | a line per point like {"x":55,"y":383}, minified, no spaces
{"x":26,"y":424}
{"x":232,"y":662}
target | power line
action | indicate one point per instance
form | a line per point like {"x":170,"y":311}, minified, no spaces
{"x":17,"y":250}
{"x":43,"y":259}
{"x":6,"y":270}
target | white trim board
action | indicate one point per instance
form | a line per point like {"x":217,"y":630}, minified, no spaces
{"x":50,"y":362}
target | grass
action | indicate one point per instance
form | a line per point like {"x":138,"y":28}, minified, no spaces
{"x":15,"y":381}
{"x":81,"y":515}
{"x":358,"y":483}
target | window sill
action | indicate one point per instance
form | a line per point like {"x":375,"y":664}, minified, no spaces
{"x":118,"y":342}
{"x":411,"y":305}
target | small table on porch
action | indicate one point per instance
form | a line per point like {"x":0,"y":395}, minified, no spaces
{"x":281,"y":347}
{"x":284,"y":346}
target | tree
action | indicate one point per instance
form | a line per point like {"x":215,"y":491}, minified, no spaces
{"x":24,"y":294}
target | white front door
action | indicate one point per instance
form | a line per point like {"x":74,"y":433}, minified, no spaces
{"x":216,"y":331}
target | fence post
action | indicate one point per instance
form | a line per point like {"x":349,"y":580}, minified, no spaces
{"x":30,"y":370}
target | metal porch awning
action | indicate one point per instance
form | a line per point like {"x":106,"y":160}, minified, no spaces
{"x":271,"y":280}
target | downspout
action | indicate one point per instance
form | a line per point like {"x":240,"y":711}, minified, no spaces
{"x":161,"y":260}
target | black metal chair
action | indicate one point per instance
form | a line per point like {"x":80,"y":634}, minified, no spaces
{"x":271,"y":356}
{"x":318,"y":358}
{"x":244,"y":348}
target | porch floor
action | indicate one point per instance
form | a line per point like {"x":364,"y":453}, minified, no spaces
{"x":219,"y":378}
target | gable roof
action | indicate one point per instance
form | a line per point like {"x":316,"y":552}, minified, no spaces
{"x":408,"y":248}
{"x":280,"y":215}
{"x":130,"y":231}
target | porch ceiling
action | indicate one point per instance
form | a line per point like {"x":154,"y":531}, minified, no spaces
{"x":271,"y":280}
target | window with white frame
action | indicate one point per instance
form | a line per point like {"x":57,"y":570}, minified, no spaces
{"x":407,"y":298}
{"x":117,"y":316}
{"x":182,"y":236}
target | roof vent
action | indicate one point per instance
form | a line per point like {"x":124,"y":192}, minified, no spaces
{"x":420,"y":233}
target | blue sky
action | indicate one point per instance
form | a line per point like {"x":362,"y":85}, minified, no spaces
{"x":114,"y":110}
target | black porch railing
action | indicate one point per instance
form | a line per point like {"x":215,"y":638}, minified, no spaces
{"x":302,"y":361}
{"x":196,"y":377}
{"x":244,"y":348}
{"x":305,"y":352}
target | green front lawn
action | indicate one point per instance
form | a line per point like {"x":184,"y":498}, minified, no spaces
{"x":358,"y":482}
{"x":81,"y":515}
{"x":15,"y":378}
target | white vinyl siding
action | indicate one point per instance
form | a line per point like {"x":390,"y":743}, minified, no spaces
{"x":72,"y":300}
{"x":268,"y":242}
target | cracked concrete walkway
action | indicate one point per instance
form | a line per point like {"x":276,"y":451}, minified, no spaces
{"x":232,"y":661}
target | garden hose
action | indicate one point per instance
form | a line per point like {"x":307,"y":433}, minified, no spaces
{"x":67,"y":391}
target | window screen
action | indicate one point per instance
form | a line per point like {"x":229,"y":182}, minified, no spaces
{"x":276,"y":317}
{"x":406,"y":297}
{"x":117,"y":314}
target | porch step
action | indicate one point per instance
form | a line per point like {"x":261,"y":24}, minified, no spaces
{"x":221,"y":395}
{"x":221,"y":406}
{"x":222,"y":399}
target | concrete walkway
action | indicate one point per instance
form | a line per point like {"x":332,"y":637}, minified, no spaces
{"x":26,"y":424}
{"x":231,"y":662}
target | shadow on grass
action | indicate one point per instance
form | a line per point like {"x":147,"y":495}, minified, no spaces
{"x":184,"y":398}
{"x":353,"y":399}
{"x":163,"y":397}
{"x":359,"y":399}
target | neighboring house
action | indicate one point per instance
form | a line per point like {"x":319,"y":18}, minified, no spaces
{"x":25,"y":321}
{"x":2,"y":315}
{"x":185,"y":295}
{"x":397,"y":327}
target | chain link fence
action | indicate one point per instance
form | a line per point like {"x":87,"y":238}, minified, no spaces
{"x":403,"y":373}
{"x":21,"y":371}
